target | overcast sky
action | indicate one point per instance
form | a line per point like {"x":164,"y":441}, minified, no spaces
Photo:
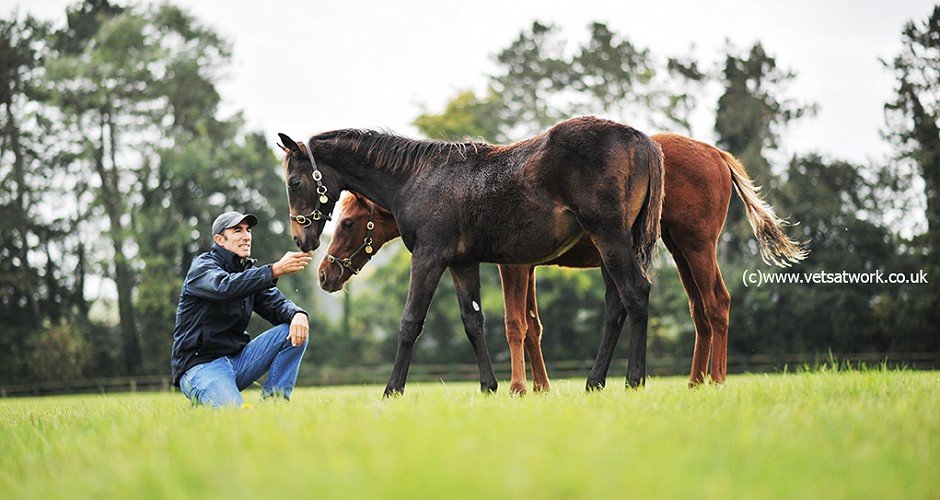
{"x":302,"y":67}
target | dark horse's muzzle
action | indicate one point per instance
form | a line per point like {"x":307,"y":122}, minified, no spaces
{"x":309,"y":238}
{"x":308,"y":244}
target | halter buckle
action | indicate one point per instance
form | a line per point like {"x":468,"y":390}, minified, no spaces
{"x":306,"y":220}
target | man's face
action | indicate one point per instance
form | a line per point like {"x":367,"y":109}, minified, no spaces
{"x":236,"y":240}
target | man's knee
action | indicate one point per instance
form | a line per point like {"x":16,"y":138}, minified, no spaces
{"x":210,"y":384}
{"x":221,"y":393}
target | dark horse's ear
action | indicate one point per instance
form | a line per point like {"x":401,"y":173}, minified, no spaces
{"x":289,"y":144}
{"x":361,"y":200}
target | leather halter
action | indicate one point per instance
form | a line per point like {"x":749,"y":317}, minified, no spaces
{"x":306,"y":220}
{"x":365,"y":246}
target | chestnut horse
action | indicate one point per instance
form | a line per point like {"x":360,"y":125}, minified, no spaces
{"x":458,"y":205}
{"x":698,"y":180}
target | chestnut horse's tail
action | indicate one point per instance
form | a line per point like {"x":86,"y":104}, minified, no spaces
{"x":775,"y":247}
{"x":646,"y":228}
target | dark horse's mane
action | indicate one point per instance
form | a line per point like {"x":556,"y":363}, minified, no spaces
{"x":397,"y":153}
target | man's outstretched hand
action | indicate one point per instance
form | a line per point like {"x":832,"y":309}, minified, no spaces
{"x":290,"y":263}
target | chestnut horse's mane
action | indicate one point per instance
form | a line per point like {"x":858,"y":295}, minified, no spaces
{"x":400,"y":154}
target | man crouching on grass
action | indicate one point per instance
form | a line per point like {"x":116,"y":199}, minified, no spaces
{"x":213,"y":357}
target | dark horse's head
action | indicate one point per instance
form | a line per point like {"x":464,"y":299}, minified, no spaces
{"x":312,"y":193}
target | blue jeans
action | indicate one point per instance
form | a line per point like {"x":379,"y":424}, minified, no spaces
{"x":220,"y":382}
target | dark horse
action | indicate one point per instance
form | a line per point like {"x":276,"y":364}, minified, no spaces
{"x":698,"y":182}
{"x":458,"y":205}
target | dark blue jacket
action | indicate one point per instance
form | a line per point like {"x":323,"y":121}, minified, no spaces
{"x":220,"y":292}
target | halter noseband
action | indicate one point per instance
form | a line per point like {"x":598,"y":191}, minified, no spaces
{"x":306,"y":220}
{"x":365,"y":246}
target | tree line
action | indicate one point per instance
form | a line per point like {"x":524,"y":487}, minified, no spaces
{"x":115,"y":158}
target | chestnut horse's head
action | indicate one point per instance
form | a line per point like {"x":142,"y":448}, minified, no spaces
{"x":362,"y":227}
{"x":312,"y":192}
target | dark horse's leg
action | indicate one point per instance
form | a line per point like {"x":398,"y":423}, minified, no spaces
{"x":425,"y":275}
{"x":614,"y":316}
{"x":623,"y":276}
{"x":639,"y":322}
{"x":467,"y":284}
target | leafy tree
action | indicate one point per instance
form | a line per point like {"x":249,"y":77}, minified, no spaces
{"x":750,"y":116}
{"x":751,"y":111}
{"x":465,"y":117}
{"x":140,"y":167}
{"x":914,"y":118}
{"x":22,"y":48}
{"x":120,"y":89}
{"x":58,"y":353}
{"x":541,"y":81}
{"x":83,"y":20}
{"x":827,"y":197}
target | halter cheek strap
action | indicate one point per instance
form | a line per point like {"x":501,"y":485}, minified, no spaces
{"x":366,"y":246}
{"x":306,"y":220}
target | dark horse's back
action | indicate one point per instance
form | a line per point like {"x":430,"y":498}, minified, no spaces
{"x":530,"y":202}
{"x":593,"y":146}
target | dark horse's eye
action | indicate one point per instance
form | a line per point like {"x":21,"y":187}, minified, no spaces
{"x":294,"y":184}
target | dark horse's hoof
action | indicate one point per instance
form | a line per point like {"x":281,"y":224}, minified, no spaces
{"x":393,"y":392}
{"x":595,"y":385}
{"x":636,"y":384}
{"x":488,"y":388}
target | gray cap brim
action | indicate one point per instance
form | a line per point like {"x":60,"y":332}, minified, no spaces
{"x":232,"y":219}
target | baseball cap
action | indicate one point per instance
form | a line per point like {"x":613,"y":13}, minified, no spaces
{"x":232,"y":219}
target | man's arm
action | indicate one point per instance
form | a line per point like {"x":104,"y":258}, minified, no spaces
{"x":211,"y":282}
{"x":271,"y":304}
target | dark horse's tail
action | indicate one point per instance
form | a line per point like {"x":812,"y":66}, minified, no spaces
{"x":775,"y":247}
{"x":647,"y":225}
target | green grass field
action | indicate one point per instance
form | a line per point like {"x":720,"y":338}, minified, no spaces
{"x":845,"y":434}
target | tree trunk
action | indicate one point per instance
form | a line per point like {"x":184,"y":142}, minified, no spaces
{"x":124,"y":277}
{"x":26,"y":278}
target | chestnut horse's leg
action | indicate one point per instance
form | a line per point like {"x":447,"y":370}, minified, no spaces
{"x":709,"y":303}
{"x":533,"y":337}
{"x":426,"y":272}
{"x":703,"y":331}
{"x":614,"y":316}
{"x":467,"y":284}
{"x":515,"y":281}
{"x":716,"y":302}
